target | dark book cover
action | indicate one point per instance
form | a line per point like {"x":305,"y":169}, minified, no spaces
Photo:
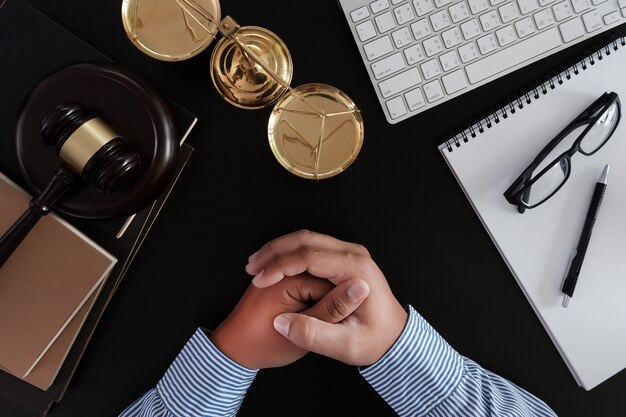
{"x":35,"y":402}
{"x":33,"y":47}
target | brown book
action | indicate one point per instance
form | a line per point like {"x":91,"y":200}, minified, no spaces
{"x":47,"y":287}
{"x":46,"y":370}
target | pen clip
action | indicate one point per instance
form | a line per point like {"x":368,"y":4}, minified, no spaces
{"x":569,"y":266}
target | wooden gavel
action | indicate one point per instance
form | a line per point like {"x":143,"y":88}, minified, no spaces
{"x":91,"y":151}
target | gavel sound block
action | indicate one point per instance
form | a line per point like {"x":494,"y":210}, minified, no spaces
{"x":131,"y":107}
{"x":91,"y":151}
{"x":99,"y":178}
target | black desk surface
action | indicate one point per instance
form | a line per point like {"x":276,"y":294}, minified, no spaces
{"x":399,"y":199}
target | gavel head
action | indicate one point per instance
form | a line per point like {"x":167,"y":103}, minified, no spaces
{"x":90,"y":147}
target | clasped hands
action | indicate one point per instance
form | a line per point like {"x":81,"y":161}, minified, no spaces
{"x":311,"y":293}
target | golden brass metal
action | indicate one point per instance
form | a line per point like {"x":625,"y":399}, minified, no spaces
{"x":228,"y":26}
{"x":315,"y":130}
{"x":242,"y":81}
{"x":85,"y":142}
{"x":320,"y":143}
{"x":164,"y":30}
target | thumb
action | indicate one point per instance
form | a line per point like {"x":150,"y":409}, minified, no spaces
{"x":340,"y":302}
{"x":311,"y":334}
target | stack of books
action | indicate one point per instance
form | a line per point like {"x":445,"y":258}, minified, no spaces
{"x":47,"y":288}
{"x":44,"y":329}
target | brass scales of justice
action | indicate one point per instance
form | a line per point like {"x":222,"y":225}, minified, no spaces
{"x":315,"y":130}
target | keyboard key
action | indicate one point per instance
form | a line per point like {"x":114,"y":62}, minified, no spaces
{"x":592,"y":20}
{"x":396,"y":107}
{"x":400,"y":82}
{"x":611,"y":18}
{"x":421,"y":29}
{"x":581,"y":5}
{"x":524,"y":27}
{"x":470,"y":29}
{"x":459,"y":12}
{"x":477,"y":6}
{"x":402,"y":37}
{"x":468,"y":52}
{"x":432,"y":46}
{"x":388,"y":66}
{"x":512,"y":56}
{"x":433,"y":91}
{"x":543,"y":19}
{"x":430,"y":69}
{"x":385,"y":22}
{"x":413,"y":54}
{"x":562,"y":10}
{"x":440,"y":20}
{"x":423,"y":7}
{"x":506,"y":35}
{"x":489,"y":20}
{"x":572,"y":29}
{"x":359,"y":14}
{"x":454,"y":82}
{"x":378,"y":48}
{"x":415,"y":99}
{"x":379,"y":5}
{"x":451,"y":37}
{"x":449,"y":61}
{"x":422,"y":51}
{"x":404,"y":14}
{"x":527,"y":6}
{"x":366,"y":31}
{"x":487,"y":44}
{"x":508,"y":12}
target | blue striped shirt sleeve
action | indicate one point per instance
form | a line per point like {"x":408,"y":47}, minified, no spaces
{"x":201,"y":381}
{"x":421,"y":375}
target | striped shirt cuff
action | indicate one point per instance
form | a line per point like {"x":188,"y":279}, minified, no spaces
{"x":419,"y":371}
{"x":202,"y":381}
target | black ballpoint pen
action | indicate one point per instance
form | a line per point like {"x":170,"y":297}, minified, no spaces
{"x":576,"y":263}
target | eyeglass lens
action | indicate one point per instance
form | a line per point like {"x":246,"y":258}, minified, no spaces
{"x":557,"y":173}
{"x":550,"y":181}
{"x":600,"y":130}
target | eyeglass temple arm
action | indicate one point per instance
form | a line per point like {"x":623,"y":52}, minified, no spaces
{"x":520,"y":208}
{"x":593,"y":107}
{"x":514,"y":189}
{"x":521,"y":181}
{"x":523,"y":178}
{"x":585,"y":114}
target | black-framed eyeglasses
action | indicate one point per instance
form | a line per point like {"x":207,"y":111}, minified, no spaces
{"x":551,"y":168}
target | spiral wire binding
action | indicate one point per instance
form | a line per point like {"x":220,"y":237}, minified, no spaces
{"x":570,"y":68}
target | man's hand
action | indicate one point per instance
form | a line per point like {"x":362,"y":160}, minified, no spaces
{"x":364,"y":336}
{"x":247,"y":335}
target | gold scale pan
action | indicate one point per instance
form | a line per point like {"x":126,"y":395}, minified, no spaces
{"x":315,"y":130}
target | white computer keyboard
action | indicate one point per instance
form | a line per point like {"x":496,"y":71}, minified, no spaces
{"x":420,"y":53}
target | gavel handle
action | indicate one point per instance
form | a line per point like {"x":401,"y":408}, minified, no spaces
{"x":63,"y":180}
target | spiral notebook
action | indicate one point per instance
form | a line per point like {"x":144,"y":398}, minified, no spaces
{"x":486,"y":158}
